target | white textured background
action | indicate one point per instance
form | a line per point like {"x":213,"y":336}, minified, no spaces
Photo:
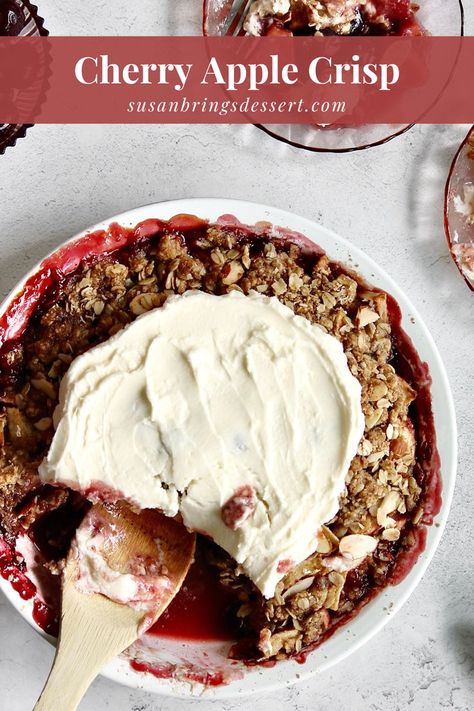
{"x":388,"y":200}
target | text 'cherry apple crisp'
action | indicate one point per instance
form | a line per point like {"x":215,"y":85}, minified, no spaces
{"x":204,"y":397}
{"x":78,"y":306}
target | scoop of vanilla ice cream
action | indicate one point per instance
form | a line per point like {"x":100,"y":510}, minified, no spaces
{"x":229,"y":409}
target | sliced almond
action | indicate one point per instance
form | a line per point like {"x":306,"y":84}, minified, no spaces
{"x":365,"y":448}
{"x":366,"y":316}
{"x":391,"y":534}
{"x":381,"y":305}
{"x":232,"y":272}
{"x":357,"y":545}
{"x":324,"y":546}
{"x":375,"y":457}
{"x":377,"y":390}
{"x":334,"y":592}
{"x":341,"y":564}
{"x":368,"y":295}
{"x":402,"y":507}
{"x":418,"y":515}
{"x":373,"y":419}
{"x":330,"y":535}
{"x":298,"y":587}
{"x":389,"y":504}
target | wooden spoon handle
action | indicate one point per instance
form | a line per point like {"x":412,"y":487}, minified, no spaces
{"x":91,"y":635}
{"x":72,"y":674}
{"x":94,"y":629}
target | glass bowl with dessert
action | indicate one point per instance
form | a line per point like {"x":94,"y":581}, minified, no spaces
{"x":340,"y":18}
{"x":459,"y":209}
{"x":20,"y":18}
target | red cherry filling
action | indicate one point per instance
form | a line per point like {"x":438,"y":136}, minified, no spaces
{"x":285,"y":565}
{"x":398,"y":10}
{"x":277,"y":29}
{"x":239,"y":507}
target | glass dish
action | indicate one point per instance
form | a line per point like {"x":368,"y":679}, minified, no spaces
{"x":18,"y":18}
{"x":459,"y":209}
{"x":438,"y":17}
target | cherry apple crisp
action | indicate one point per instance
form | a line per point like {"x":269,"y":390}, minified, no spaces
{"x":392,"y":483}
{"x":332,"y":17}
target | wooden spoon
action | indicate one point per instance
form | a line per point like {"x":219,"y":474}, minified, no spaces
{"x":94,"y":629}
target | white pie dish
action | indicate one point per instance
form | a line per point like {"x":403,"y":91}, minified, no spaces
{"x":371,"y":618}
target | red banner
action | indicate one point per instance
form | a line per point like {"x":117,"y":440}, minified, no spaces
{"x":347,"y":81}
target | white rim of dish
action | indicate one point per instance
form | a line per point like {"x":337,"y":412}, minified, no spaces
{"x":373,"y":617}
